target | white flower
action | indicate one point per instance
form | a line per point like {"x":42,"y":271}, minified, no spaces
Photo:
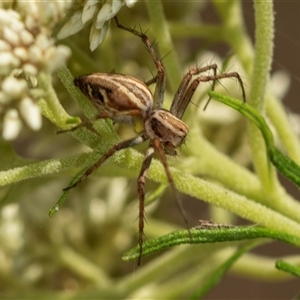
{"x":280,"y":83}
{"x":8,"y":61}
{"x":88,"y":11}
{"x":26,"y":50}
{"x":57,"y":56}
{"x":11,"y":228}
{"x":11,"y":125}
{"x":130,"y":3}
{"x":98,"y":17}
{"x":13,"y":87}
{"x":31,"y":113}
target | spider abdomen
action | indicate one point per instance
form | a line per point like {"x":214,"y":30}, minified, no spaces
{"x":116,"y":93}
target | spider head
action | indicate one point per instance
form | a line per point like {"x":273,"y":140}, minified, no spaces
{"x":167,"y":128}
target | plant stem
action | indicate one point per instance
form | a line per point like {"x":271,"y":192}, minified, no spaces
{"x":262,"y":63}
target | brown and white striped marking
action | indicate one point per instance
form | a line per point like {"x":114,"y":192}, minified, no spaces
{"x":116,"y":94}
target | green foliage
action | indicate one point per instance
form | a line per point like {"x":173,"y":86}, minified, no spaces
{"x":79,"y":250}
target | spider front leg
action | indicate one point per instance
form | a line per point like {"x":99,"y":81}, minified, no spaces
{"x":178,"y":105}
{"x":122,"y":145}
{"x":193,"y":86}
{"x":158,"y":146}
{"x":186,"y":89}
{"x":160,"y":77}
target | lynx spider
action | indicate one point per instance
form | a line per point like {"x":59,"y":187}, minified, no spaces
{"x":123,"y":98}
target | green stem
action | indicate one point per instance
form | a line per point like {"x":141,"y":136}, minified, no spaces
{"x":234,"y":32}
{"x":277,"y":114}
{"x":262,"y":267}
{"x":264,"y":36}
{"x":43,"y":168}
{"x":50,"y":105}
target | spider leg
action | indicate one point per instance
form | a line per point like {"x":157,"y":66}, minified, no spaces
{"x":160,"y":77}
{"x":178,"y":106}
{"x":88,"y":123}
{"x":226,"y":75}
{"x":141,"y":192}
{"x":122,"y":145}
{"x":181,"y":104}
{"x":84,"y":123}
{"x":161,"y":153}
{"x":151,"y":81}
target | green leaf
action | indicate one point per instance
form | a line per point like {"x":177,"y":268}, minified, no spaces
{"x":202,"y":236}
{"x":287,"y":267}
{"x":283,"y":163}
{"x":64,"y":196}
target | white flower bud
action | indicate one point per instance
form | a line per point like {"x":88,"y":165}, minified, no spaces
{"x":17,"y":72}
{"x":10,"y":36}
{"x":89,"y":10}
{"x":10,"y":212}
{"x":73,"y":25}
{"x":35,"y":54}
{"x":31,"y":113}
{"x":130,"y":3}
{"x":16,"y":25}
{"x":11,"y":125}
{"x":21,"y":53}
{"x":7,"y":62}
{"x":42,"y":41}
{"x":14,"y":87}
{"x":116,"y":6}
{"x":30,"y":23}
{"x":30,"y":69}
{"x":33,"y":82}
{"x":26,"y":37}
{"x":4,"y":46}
{"x":56,"y":57}
{"x":7,"y":15}
{"x":99,"y":25}
{"x":280,"y":82}
{"x":104,"y":14}
{"x":97,"y":36}
{"x":3,"y":99}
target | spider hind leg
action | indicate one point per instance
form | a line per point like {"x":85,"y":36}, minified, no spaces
{"x":122,"y":145}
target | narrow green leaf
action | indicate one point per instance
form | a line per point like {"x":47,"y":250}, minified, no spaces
{"x":283,"y":163}
{"x":64,"y":196}
{"x":202,"y":236}
{"x":285,"y":266}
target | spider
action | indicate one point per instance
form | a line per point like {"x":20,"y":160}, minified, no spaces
{"x":123,"y":98}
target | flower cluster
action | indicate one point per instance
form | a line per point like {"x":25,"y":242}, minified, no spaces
{"x":26,"y":49}
{"x":96,"y":13}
